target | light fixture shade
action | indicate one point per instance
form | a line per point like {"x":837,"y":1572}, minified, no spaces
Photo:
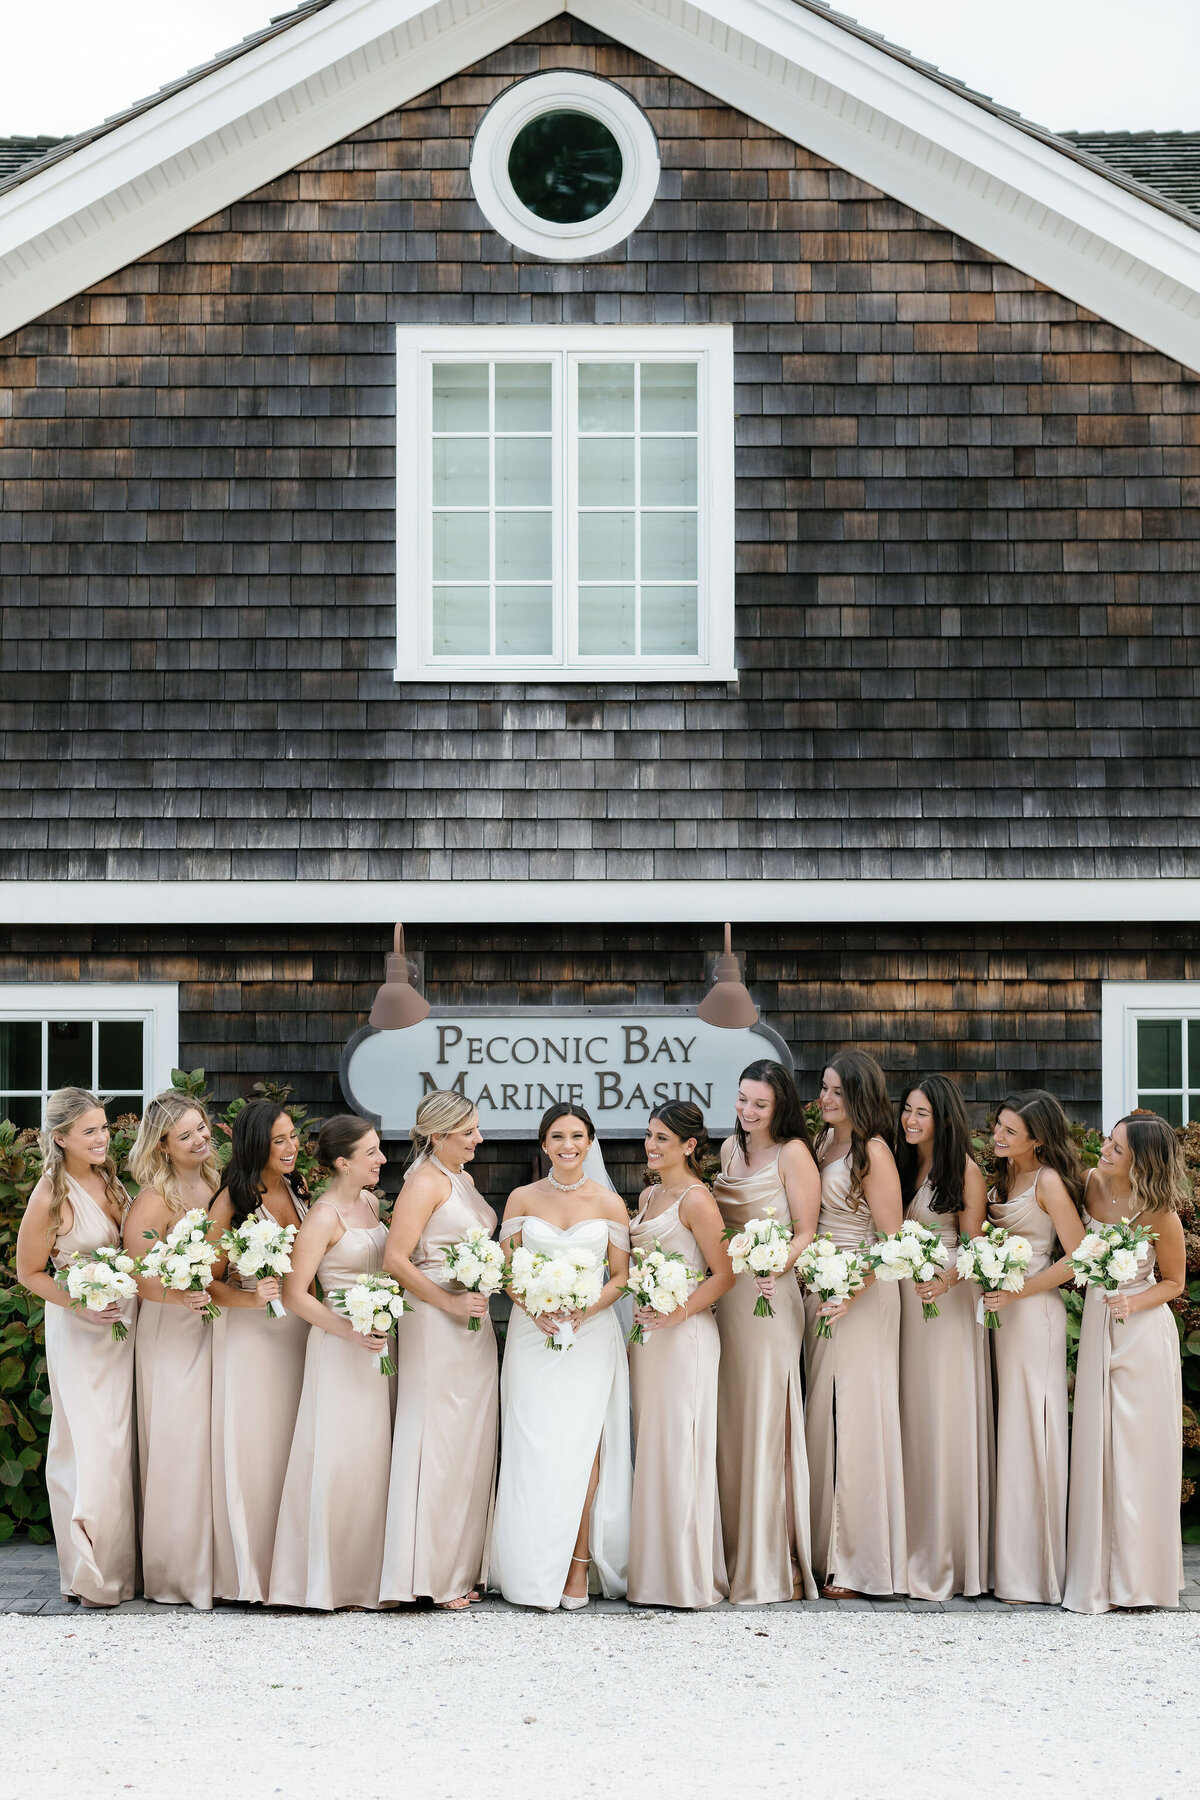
{"x":727,"y":1002}
{"x":398,"y":1004}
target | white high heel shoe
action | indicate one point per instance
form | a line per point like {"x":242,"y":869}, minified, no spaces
{"x":575,"y":1602}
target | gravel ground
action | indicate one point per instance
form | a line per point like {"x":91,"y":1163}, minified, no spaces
{"x":861,"y":1706}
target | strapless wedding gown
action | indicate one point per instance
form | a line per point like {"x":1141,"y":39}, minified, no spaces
{"x":555,"y":1407}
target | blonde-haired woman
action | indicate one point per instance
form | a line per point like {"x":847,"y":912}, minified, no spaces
{"x":77,"y":1206}
{"x":172,"y":1161}
{"x":447,"y":1407}
{"x":1123,"y":1543}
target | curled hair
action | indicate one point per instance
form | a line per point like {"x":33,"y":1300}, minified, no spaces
{"x":149,"y":1162}
{"x":1156,"y":1168}
{"x":787,"y":1119}
{"x":951,"y":1145}
{"x":684,"y":1120}
{"x":252,"y":1132}
{"x":1046,"y":1122}
{"x":562,"y":1111}
{"x":63,"y":1109}
{"x":442,"y":1111}
{"x":339,"y":1137}
{"x":865,"y":1097}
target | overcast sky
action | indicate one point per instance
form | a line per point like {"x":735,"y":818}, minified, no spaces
{"x":1069,"y":64}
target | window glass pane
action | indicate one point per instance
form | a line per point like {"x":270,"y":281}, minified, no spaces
{"x":523,"y":546}
{"x":461,"y":621}
{"x":1160,"y":1053}
{"x":606,"y":621}
{"x":460,"y":472}
{"x":460,"y":547}
{"x":1193,"y":1031}
{"x":606,"y":547}
{"x":460,"y":396}
{"x":670,"y":622}
{"x":69,"y":1053}
{"x":668,"y":396}
{"x":523,"y":472}
{"x":1167,"y":1106}
{"x":668,"y":471}
{"x":669,"y":546}
{"x":20,"y":1053}
{"x":606,"y":472}
{"x":606,"y":396}
{"x":120,"y":1054}
{"x":523,"y":397}
{"x":25,"y":1112}
{"x":524,"y":621}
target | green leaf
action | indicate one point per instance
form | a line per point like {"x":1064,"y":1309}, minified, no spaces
{"x":11,"y":1473}
{"x":12,"y":1370}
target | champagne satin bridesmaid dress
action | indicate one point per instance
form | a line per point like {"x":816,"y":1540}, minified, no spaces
{"x":90,"y":1459}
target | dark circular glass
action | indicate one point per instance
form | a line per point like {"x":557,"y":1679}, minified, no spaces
{"x":565,"y":167}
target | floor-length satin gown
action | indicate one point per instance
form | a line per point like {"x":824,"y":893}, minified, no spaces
{"x":90,"y":1459}
{"x":854,"y":1455}
{"x":945,"y":1429}
{"x":762,"y":1462}
{"x":556,"y":1406}
{"x":1029,"y":1355}
{"x":447,"y":1418}
{"x":1123,"y":1542}
{"x":258,"y":1372}
{"x":329,"y":1541}
{"x":676,"y":1554}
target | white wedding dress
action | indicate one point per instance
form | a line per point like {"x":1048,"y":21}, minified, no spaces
{"x":555,"y":1407}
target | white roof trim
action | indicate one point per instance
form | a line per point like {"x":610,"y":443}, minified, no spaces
{"x":927,"y":144}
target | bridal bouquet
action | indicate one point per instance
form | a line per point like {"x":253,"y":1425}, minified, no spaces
{"x":372,"y":1304}
{"x":183,"y":1260}
{"x":997,"y":1261}
{"x":570,"y":1281}
{"x":762,"y":1246}
{"x":830,"y":1273}
{"x":914,"y":1253}
{"x":1115,"y":1253}
{"x":260,"y":1250}
{"x":98,"y":1278}
{"x":660,"y":1279}
{"x":477,"y":1263}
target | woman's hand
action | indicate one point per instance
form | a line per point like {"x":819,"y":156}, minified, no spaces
{"x":765,"y":1285}
{"x":649,"y":1320}
{"x":199,"y":1301}
{"x":111,"y":1315}
{"x":547,"y":1323}
{"x":933,"y":1290}
{"x":375,"y":1344}
{"x":833,"y":1310}
{"x":994,"y":1302}
{"x":268,"y":1290}
{"x":1119,"y":1305}
{"x":467,"y":1306}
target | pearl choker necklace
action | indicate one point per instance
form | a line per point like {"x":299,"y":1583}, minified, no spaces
{"x":567,"y":1187}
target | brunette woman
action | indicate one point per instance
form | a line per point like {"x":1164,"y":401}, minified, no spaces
{"x":447,"y":1386}
{"x":1039,"y":1186}
{"x":329,"y":1541}
{"x":762,"y":1469}
{"x":258,"y":1359}
{"x":77,"y":1206}
{"x":676,"y":1557}
{"x":945,"y":1379}
{"x":1123,"y":1545}
{"x":858,"y":1533}
{"x":172,"y":1161}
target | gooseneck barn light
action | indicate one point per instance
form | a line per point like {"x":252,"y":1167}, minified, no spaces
{"x":398,"y":1004}
{"x":727,"y":1002}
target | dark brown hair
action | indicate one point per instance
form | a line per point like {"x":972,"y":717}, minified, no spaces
{"x":787,"y":1114}
{"x":951,"y":1145}
{"x":865,"y":1097}
{"x":562,"y":1111}
{"x":252,"y":1132}
{"x":339,"y":1137}
{"x":684,"y":1120}
{"x":1047,"y":1124}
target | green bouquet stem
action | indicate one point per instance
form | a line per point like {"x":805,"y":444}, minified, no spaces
{"x":763,"y":1308}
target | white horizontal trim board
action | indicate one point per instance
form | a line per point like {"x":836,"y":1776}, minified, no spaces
{"x":185,"y":903}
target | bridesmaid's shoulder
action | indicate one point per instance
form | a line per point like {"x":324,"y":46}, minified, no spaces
{"x":795,"y":1156}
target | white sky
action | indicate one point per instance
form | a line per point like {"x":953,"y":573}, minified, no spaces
{"x":1070,"y":64}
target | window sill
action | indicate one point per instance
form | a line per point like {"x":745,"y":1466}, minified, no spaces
{"x":555,"y":675}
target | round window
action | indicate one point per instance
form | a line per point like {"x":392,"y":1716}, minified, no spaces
{"x":565,"y":166}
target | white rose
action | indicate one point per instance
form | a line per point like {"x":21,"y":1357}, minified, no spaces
{"x":1122,"y":1265}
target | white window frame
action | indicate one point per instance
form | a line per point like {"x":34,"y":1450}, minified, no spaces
{"x":154,"y":1004}
{"x":1122,"y":1004}
{"x":419,"y":346}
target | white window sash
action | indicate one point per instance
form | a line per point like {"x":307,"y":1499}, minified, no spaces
{"x":1122,"y":1005}
{"x":153,"y":1004}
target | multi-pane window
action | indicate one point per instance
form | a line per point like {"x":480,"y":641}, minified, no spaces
{"x":117,"y":1042}
{"x":1168,"y":1067}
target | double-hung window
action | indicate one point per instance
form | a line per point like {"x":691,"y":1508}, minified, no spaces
{"x":565,"y":503}
{"x":1151,"y":1047}
{"x":117,"y":1041}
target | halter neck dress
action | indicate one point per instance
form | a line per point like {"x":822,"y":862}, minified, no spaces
{"x":447,"y":1420}
{"x":90,"y":1459}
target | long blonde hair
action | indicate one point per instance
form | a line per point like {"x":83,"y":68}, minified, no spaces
{"x":442,"y":1111}
{"x":1157,"y":1175}
{"x":149,"y":1163}
{"x":63,"y":1109}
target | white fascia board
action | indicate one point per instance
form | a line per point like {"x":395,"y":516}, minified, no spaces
{"x":184,"y":903}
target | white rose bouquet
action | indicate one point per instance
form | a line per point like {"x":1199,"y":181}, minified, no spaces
{"x":659,"y":1279}
{"x":1115,"y":1253}
{"x":372,"y":1304}
{"x":830,"y":1273}
{"x":914,"y":1253}
{"x":996,"y":1260}
{"x":260,"y":1250}
{"x":762,"y":1246}
{"x":570,"y":1281}
{"x":477,"y":1263}
{"x":183,"y":1260}
{"x":95,"y":1279}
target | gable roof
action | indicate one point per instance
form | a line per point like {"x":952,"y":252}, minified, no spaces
{"x":1168,"y":161}
{"x":17,"y":153}
{"x":1048,"y":205}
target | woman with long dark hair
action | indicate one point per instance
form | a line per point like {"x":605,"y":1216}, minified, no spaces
{"x":945,"y":1380}
{"x":258,"y":1360}
{"x":854,"y":1455}
{"x":762,"y":1471}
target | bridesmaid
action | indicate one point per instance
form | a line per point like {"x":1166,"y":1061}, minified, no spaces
{"x":329,"y":1541}
{"x":173,"y":1163}
{"x":447,"y":1417}
{"x":945,"y":1380}
{"x":1123,"y":1543}
{"x":859,"y":1541}
{"x":78,"y":1205}
{"x":676,"y":1557}
{"x":258,"y":1359}
{"x":762,"y":1467}
{"x":1039,"y":1187}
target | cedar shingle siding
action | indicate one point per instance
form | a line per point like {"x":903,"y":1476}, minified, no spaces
{"x":967,"y":530}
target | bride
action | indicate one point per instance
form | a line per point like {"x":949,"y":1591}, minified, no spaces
{"x":565,"y":1473}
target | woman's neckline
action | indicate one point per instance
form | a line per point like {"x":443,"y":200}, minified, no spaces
{"x":748,"y":1171}
{"x":646,"y":1217}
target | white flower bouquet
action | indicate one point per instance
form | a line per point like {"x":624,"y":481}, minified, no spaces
{"x":762,"y":1246}
{"x":372,"y":1304}
{"x":914,"y":1253}
{"x":183,"y":1260}
{"x":569,"y":1282}
{"x":659,"y":1279}
{"x":98,"y":1278}
{"x":996,"y":1260}
{"x":260,"y":1250}
{"x":830,"y":1273}
{"x":477,"y":1263}
{"x":1115,"y":1253}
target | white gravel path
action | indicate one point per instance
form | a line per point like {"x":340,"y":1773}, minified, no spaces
{"x":861,"y":1706}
